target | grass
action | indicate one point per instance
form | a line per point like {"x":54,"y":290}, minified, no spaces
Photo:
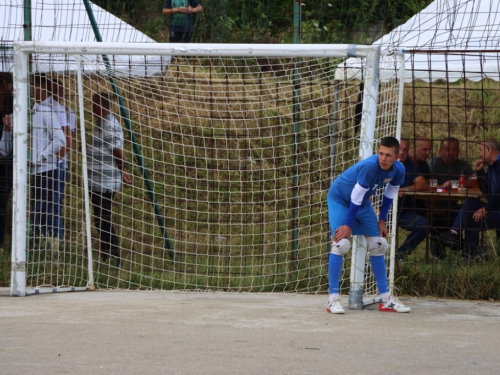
{"x":243,"y":196}
{"x":451,"y":278}
{"x":454,"y":276}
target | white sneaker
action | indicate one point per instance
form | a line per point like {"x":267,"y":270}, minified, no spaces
{"x":334,"y":307}
{"x":393,"y":305}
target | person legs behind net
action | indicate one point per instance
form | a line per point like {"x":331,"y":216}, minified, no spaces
{"x":417,"y":226}
{"x":102,"y":205}
{"x":472,"y":225}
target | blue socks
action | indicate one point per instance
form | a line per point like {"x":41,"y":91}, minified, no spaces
{"x":380,"y":273}
{"x":334,"y":270}
{"x":378,"y":268}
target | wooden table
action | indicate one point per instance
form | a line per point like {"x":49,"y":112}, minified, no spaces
{"x":451,"y":194}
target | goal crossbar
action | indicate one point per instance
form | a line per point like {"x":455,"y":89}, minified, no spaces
{"x":197,"y":49}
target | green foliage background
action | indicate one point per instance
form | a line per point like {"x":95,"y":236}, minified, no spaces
{"x":272,"y":21}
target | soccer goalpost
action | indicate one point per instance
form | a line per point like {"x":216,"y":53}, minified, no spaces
{"x":231,"y":150}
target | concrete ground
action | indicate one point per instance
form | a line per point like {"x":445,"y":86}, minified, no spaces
{"x":124,"y":332}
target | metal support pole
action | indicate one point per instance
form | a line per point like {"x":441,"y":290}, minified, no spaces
{"x":20,"y":178}
{"x":333,"y":149}
{"x":20,"y":225}
{"x":366,"y":146}
{"x":90,"y":281}
{"x":297,"y":13}
{"x":296,"y":131}
{"x":401,"y":79}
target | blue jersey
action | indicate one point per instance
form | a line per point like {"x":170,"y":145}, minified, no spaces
{"x":369,"y":175}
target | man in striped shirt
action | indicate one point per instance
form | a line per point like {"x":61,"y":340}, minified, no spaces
{"x":106,"y":170}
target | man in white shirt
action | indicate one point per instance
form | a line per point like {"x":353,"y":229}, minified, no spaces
{"x":67,"y":119}
{"x":47,"y":140}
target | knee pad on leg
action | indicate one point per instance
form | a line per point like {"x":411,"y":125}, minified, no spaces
{"x":341,"y":247}
{"x":377,"y":245}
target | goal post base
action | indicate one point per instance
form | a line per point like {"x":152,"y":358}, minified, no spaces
{"x":48,"y":290}
{"x":364,"y":302}
{"x":367,"y":301}
{"x":356,"y":299}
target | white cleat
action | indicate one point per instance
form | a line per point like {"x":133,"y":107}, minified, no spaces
{"x":393,"y":305}
{"x":334,"y":307}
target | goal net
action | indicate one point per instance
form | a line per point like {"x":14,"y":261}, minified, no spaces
{"x":231,"y":150}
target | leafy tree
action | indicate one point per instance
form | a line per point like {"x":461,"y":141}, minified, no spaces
{"x":238,"y":21}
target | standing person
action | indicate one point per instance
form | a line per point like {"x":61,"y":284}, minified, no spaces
{"x":6,"y":153}
{"x":47,"y":139}
{"x":67,"y":119}
{"x":181,"y":19}
{"x":474,"y":215}
{"x":105,"y":172}
{"x":351,"y":213}
{"x":409,"y":217}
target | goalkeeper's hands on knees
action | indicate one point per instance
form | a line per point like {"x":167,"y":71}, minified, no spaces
{"x":342,"y":232}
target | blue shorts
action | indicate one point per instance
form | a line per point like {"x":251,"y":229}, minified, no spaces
{"x":365,"y":224}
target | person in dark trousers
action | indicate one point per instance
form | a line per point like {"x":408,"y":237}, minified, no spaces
{"x":106,"y":171}
{"x":67,"y":119}
{"x":474,"y":215}
{"x":181,"y":19}
{"x":409,"y":217}
{"x":6,"y":156}
{"x":47,"y":139}
{"x":445,"y":168}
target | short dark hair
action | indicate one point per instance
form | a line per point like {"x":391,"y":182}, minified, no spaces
{"x":103,"y":99}
{"x":449,"y":140}
{"x":404,"y":139}
{"x":39,"y":79}
{"x":6,"y":78}
{"x":390,"y":142}
{"x":55,"y":84}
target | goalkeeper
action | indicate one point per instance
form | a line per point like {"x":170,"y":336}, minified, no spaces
{"x":350,"y":213}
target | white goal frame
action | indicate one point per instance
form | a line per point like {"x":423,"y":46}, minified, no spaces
{"x":22,"y":51}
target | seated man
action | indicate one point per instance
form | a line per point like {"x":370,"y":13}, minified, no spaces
{"x":445,"y":168}
{"x":408,"y":209}
{"x":475,"y":216}
{"x":419,"y":154}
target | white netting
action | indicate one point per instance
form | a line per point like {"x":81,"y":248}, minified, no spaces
{"x":239,"y":154}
